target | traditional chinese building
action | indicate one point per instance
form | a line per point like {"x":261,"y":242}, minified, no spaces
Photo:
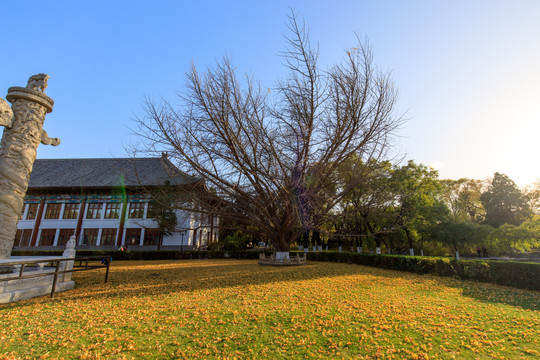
{"x":105,"y":204}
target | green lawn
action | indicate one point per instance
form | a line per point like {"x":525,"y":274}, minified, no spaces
{"x":237,"y":308}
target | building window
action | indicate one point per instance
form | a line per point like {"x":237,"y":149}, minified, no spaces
{"x":26,"y":237}
{"x":22,"y":238}
{"x":64,"y":236}
{"x":94,"y":211}
{"x":152,"y":237}
{"x":133,"y":236}
{"x":136,"y":210}
{"x":18,"y":235}
{"x":71,"y":211}
{"x":90,"y":237}
{"x":53,"y":211}
{"x":112,"y":210}
{"x":108,"y":237}
{"x":47,"y":237}
{"x":32,"y":211}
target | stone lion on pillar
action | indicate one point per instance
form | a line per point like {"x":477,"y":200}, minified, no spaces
{"x":38,"y":82}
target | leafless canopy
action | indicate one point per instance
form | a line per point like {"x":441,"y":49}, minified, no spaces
{"x":273,"y":156}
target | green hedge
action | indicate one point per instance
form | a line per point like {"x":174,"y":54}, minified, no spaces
{"x":524,"y":275}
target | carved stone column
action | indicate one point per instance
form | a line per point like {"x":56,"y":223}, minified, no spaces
{"x":22,"y":134}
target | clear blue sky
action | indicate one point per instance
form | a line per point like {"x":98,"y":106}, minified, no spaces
{"x":468,"y":71}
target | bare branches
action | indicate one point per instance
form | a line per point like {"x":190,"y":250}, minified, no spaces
{"x":276,"y":165}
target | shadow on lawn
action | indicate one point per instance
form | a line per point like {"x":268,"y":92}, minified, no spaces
{"x":498,"y":294}
{"x":137,"y":279}
{"x":128,"y":278}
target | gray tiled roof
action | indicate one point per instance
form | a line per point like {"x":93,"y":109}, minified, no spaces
{"x":105,"y":173}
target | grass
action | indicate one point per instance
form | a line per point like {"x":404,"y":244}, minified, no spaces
{"x":237,"y":308}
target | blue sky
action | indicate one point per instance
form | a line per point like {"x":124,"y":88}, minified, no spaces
{"x":468,"y":71}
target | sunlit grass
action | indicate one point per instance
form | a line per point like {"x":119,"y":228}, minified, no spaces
{"x":237,"y":308}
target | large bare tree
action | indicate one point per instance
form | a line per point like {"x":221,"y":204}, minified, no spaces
{"x":273,"y":156}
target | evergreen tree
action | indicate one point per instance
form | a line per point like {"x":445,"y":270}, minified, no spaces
{"x":504,"y":203}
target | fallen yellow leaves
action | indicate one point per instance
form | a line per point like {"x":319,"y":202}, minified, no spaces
{"x":238,"y":309}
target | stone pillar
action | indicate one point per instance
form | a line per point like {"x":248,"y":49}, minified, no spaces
{"x":22,"y":134}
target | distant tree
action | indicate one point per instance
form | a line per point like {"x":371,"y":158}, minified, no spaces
{"x":416,"y":200}
{"x":394,"y":206}
{"x":517,"y":239}
{"x":365,"y":211}
{"x":235,"y":241}
{"x":461,"y":237}
{"x":533,"y":196}
{"x":462,"y":197}
{"x":504,"y":202}
{"x":273,"y":153}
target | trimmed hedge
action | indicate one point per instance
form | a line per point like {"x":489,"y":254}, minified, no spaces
{"x":524,"y":275}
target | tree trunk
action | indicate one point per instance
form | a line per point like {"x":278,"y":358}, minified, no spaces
{"x":377,"y":244}
{"x":409,"y":240}
{"x":305,"y":240}
{"x":359,"y":243}
{"x":317,"y":242}
{"x":282,"y":243}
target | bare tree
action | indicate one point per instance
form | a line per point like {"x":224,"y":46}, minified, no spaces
{"x":274,"y":156}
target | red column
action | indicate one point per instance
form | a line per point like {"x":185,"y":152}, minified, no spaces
{"x":39,"y":215}
{"x":80,"y":219}
{"x":121,"y":227}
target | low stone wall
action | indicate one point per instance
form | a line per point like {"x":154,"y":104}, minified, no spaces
{"x":35,"y":279}
{"x":15,"y":286}
{"x":290,"y":261}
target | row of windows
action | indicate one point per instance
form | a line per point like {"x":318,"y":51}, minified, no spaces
{"x":93,"y":211}
{"x":89,"y":237}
